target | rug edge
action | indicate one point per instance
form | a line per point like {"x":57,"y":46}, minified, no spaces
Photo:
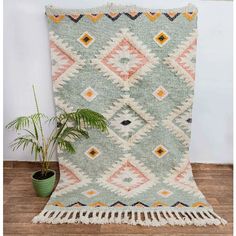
{"x":150,"y":217}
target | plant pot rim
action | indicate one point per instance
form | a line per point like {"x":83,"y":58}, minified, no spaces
{"x":41,"y":180}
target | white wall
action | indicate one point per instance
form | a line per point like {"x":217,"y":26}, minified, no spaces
{"x":26,"y":62}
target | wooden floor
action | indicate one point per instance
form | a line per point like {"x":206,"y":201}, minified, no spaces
{"x":21,"y":205}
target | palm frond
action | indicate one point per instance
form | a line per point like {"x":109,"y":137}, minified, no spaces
{"x":37,"y":116}
{"x":74,"y":133}
{"x":65,"y":145}
{"x":23,"y":141}
{"x":90,"y":119}
{"x":30,"y":133}
{"x":24,"y":121}
{"x":19,"y":123}
{"x":52,"y":119}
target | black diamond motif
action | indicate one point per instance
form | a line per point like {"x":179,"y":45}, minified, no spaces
{"x":92,"y":152}
{"x":189,"y":120}
{"x":161,"y":38}
{"x":160,"y":151}
{"x":86,"y":39}
{"x":125,"y":122}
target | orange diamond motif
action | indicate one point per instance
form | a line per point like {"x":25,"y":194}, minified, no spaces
{"x":90,"y":193}
{"x":160,"y":93}
{"x":164,"y":193}
{"x":92,"y":153}
{"x":86,"y":39}
{"x":89,"y":94}
{"x":161,"y":38}
{"x":160,"y":151}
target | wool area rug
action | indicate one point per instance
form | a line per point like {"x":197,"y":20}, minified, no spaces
{"x":136,"y":67}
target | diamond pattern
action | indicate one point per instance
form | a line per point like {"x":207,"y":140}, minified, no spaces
{"x":160,"y":93}
{"x":65,"y":61}
{"x":128,"y":177}
{"x":126,"y":122}
{"x":90,"y":193}
{"x":164,"y":193}
{"x":71,"y":178}
{"x":86,"y":39}
{"x":182,"y":60}
{"x":181,"y":178}
{"x":89,"y":94}
{"x":160,"y":151}
{"x":179,"y":121}
{"x":129,"y":122}
{"x":125,"y":60}
{"x":92,"y":152}
{"x":161,"y":38}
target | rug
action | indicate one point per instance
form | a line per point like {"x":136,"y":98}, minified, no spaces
{"x":137,"y":68}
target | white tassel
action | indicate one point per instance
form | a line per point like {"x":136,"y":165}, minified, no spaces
{"x":106,"y":217}
{"x":180,"y":219}
{"x":155,"y":221}
{"x":162,"y":220}
{"x":56,"y":219}
{"x":186,"y":218}
{"x":132,"y":219}
{"x":151,"y":217}
{"x":126,"y":217}
{"x":224,"y":222}
{"x":99,"y":217}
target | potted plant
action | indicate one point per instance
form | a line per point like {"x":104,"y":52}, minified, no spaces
{"x":68,"y":127}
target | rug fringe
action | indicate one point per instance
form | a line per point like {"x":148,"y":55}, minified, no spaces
{"x":111,"y":7}
{"x":152,"y":217}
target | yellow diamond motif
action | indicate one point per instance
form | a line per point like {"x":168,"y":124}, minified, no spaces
{"x":160,"y":151}
{"x":161,"y":38}
{"x":86,"y":39}
{"x":160,"y":93}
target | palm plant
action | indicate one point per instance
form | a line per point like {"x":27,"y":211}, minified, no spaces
{"x":68,"y":127}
